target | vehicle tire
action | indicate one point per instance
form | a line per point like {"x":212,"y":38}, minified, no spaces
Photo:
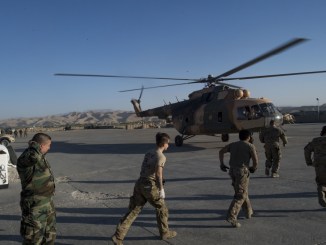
{"x":4,"y":142}
{"x":178,"y":140}
{"x":12,"y":154}
{"x":225,"y":137}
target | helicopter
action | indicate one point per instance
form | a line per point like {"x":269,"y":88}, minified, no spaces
{"x":219,"y":108}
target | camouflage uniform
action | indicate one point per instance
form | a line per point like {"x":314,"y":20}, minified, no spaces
{"x":146,"y":190}
{"x":318,"y":147}
{"x":270,"y":137}
{"x":38,"y":223}
{"x":240,"y":154}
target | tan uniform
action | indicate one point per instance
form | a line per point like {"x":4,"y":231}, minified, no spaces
{"x":240,"y":154}
{"x":271,"y":137}
{"x":146,"y":190}
{"x":318,"y":147}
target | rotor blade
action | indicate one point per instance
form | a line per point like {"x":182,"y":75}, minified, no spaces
{"x":141,"y":92}
{"x":161,"y":86}
{"x":117,"y":76}
{"x":262,"y":57}
{"x":273,"y":75}
{"x":169,"y":85}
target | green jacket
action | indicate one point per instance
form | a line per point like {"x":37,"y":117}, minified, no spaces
{"x":35,"y":173}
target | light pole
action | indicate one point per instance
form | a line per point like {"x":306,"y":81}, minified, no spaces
{"x":317,"y":109}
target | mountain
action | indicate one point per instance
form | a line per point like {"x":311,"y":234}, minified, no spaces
{"x":291,"y":109}
{"x":101,"y":117}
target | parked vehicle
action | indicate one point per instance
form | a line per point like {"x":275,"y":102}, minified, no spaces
{"x":6,"y":139}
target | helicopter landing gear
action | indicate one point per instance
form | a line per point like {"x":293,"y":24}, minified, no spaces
{"x":178,"y":140}
{"x":225,"y":137}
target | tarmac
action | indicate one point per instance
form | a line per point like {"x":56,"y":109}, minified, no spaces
{"x":95,"y":171}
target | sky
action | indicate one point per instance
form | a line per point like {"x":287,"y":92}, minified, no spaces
{"x":162,"y":38}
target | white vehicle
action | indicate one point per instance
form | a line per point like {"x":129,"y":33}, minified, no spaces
{"x":6,"y":139}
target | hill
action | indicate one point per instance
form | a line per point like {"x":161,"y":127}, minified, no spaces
{"x":291,"y":109}
{"x":103,"y":117}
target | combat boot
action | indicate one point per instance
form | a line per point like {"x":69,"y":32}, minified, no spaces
{"x":116,"y":241}
{"x":249,"y":214}
{"x":267,"y":171}
{"x":321,"y":198}
{"x":168,"y":235}
{"x":233,"y":222}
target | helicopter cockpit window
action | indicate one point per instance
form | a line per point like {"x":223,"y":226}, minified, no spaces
{"x":256,"y":112}
{"x":249,"y":113}
{"x":244,"y":113}
{"x":268,"y":108}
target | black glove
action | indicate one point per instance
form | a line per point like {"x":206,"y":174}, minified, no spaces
{"x":252,"y":169}
{"x":224,"y":168}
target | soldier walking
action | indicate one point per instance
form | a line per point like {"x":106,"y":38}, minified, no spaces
{"x":38,"y":222}
{"x":240,"y":154}
{"x":148,"y":188}
{"x":271,"y":136}
{"x":318,"y":147}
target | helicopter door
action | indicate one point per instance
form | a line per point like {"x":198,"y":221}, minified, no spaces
{"x":181,"y":123}
{"x":219,"y":117}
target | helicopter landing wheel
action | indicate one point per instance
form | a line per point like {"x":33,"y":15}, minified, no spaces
{"x":225,"y":137}
{"x":178,"y":140}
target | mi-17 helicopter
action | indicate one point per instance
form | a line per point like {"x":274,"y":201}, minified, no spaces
{"x":217,"y":109}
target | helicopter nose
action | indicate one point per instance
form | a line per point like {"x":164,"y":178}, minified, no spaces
{"x":278,"y":119}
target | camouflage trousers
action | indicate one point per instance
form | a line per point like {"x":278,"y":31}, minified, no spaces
{"x":273,"y":157}
{"x":320,"y":170}
{"x":38,"y":223}
{"x":144,"y":191}
{"x":240,"y":182}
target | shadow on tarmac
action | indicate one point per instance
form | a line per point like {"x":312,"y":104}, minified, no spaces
{"x":106,"y":238}
{"x":11,"y":238}
{"x":134,"y":180}
{"x":137,"y":148}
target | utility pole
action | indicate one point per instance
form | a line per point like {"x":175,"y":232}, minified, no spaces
{"x":317,"y":109}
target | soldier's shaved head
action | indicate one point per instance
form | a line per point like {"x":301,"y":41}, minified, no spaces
{"x":41,"y":138}
{"x":161,"y":139}
{"x":244,"y":134}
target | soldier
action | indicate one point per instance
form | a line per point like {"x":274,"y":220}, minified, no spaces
{"x":38,"y":222}
{"x":240,"y":154}
{"x":318,"y":147}
{"x":148,"y":188}
{"x":270,"y":137}
{"x":25,"y":132}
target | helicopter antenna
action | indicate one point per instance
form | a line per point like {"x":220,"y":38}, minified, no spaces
{"x":141,"y":93}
